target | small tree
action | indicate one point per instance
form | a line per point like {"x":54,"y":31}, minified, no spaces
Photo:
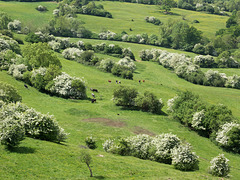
{"x":86,"y":158}
{"x":167,"y":5}
{"x":125,"y":96}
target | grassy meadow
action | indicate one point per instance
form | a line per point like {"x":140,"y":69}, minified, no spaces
{"x":37,"y":159}
{"x":123,"y":13}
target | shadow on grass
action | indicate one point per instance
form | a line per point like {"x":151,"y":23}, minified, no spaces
{"x":138,"y":109}
{"x":99,"y":177}
{"x":21,"y":150}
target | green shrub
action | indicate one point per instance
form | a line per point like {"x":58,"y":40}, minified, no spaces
{"x":149,"y":102}
{"x":125,"y":96}
{"x":91,"y":142}
{"x":8,"y":93}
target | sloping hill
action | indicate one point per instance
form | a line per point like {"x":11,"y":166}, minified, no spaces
{"x":36,"y":159}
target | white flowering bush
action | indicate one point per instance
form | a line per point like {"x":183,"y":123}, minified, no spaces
{"x":56,"y":12}
{"x":108,"y":145}
{"x":63,"y":85}
{"x":17,"y":70}
{"x":4,"y":45}
{"x":15,"y":25}
{"x":233,"y":81}
{"x":8,"y":93}
{"x":108,"y":35}
{"x":90,"y":142}
{"x":214,"y":78}
{"x":41,"y":8}
{"x":11,"y":132}
{"x":42,"y":126}
{"x":33,"y":123}
{"x":163,"y":144}
{"x":140,"y":145}
{"x":80,"y":44}
{"x":37,"y":78}
{"x":170,"y":103}
{"x":106,"y":65}
{"x":162,"y":148}
{"x":228,"y":136}
{"x":152,"y":20}
{"x":184,"y":159}
{"x":197,"y":120}
{"x":128,"y":63}
{"x":219,"y":166}
{"x":54,"y":45}
{"x":125,"y":37}
{"x":127,"y":52}
{"x":64,"y":42}
{"x":44,"y":37}
{"x":204,"y":61}
{"x":72,"y":53}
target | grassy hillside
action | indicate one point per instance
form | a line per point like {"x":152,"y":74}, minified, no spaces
{"x":37,"y":159}
{"x":81,"y":119}
{"x":123,"y":13}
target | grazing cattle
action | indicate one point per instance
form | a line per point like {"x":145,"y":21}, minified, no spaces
{"x":95,"y":90}
{"x":93,"y":95}
{"x":116,"y":81}
{"x":25,"y":86}
{"x":93,"y":100}
{"x":119,"y":82}
{"x":143,"y":80}
{"x":139,"y":81}
{"x":109,"y":81}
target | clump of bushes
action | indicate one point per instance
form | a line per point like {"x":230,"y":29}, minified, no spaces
{"x":191,"y":111}
{"x":18,"y":121}
{"x":15,"y":25}
{"x":92,"y":9}
{"x":129,"y":97}
{"x":219,"y":166}
{"x":8,"y":93}
{"x":152,"y":20}
{"x":228,"y":136}
{"x":41,"y":8}
{"x":189,"y":69}
{"x":164,"y":148}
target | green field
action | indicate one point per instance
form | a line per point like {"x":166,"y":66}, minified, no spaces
{"x":123,"y":13}
{"x":37,"y":159}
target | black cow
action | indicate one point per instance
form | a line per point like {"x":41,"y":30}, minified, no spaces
{"x":25,"y":86}
{"x":93,"y":100}
{"x":94,"y":90}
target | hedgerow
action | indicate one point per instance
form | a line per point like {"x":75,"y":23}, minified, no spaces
{"x":164,"y":148}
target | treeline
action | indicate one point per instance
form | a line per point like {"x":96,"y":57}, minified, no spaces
{"x":84,"y":53}
{"x":38,"y":66}
{"x":190,"y":70}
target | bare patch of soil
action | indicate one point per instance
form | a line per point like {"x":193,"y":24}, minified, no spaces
{"x":107,"y":122}
{"x":140,"y":130}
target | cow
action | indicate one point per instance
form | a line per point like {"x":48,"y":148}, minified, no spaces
{"x":143,"y":80}
{"x":25,"y":86}
{"x":93,"y":100}
{"x":93,"y":95}
{"x":116,"y":81}
{"x":139,"y":81}
{"x":119,"y":82}
{"x":94,"y":90}
{"x":109,"y":81}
